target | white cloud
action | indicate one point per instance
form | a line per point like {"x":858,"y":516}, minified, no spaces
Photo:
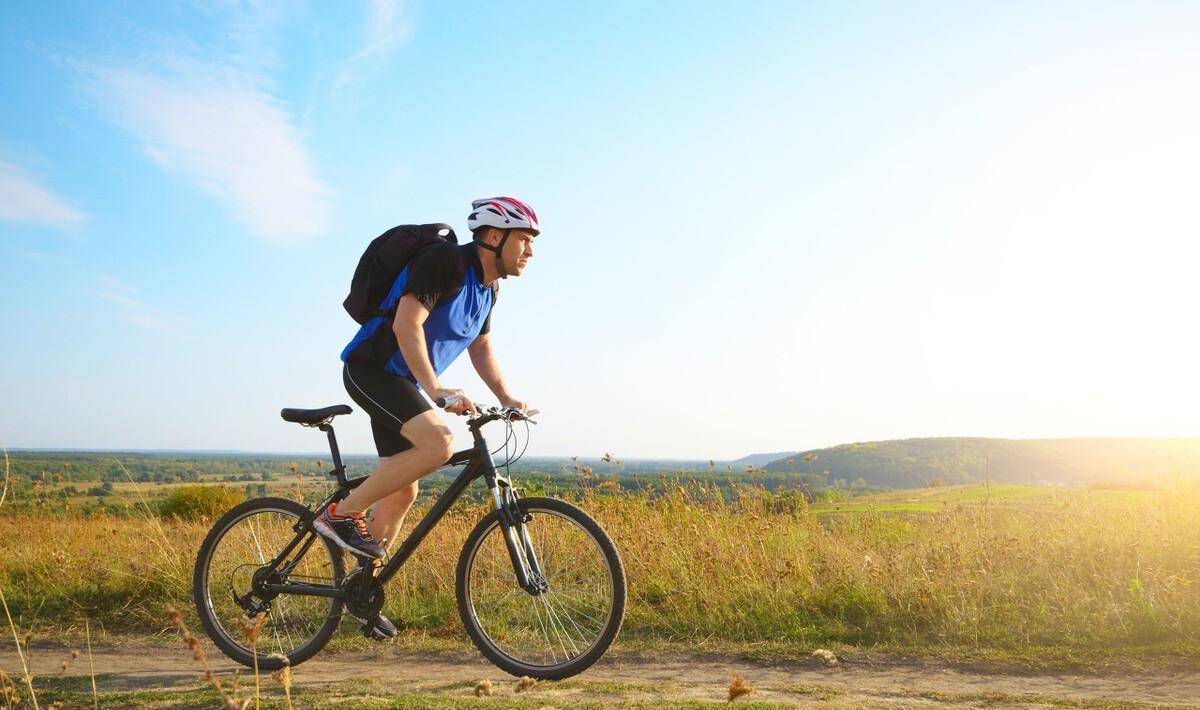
{"x":134,"y":310}
{"x":23,"y":199}
{"x":215,"y":126}
{"x":387,"y":29}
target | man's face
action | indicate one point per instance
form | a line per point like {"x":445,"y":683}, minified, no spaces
{"x":518,"y":250}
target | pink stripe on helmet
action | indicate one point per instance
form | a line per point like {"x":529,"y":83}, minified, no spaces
{"x":522,"y":208}
{"x":503,"y":210}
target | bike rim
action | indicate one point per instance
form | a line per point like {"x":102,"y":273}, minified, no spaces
{"x":550,"y":630}
{"x":245,"y":544}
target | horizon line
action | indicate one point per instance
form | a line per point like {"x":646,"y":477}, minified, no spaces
{"x":321,"y":454}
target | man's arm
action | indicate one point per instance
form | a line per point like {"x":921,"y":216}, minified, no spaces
{"x":484,"y":360}
{"x":410,"y":337}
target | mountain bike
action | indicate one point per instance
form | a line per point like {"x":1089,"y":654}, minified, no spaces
{"x":539,"y":585}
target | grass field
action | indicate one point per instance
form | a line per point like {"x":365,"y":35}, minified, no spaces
{"x":998,"y":570}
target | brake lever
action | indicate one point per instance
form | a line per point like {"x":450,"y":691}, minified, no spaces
{"x":522,"y":416}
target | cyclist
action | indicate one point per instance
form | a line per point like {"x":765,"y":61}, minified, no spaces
{"x":445,"y":308}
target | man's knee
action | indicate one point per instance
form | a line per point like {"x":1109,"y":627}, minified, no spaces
{"x":430,"y":437}
{"x":441,"y":448}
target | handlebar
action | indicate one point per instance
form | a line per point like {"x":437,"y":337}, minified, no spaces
{"x":443,"y":402}
{"x":482,"y":416}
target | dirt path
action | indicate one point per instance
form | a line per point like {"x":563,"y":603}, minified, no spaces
{"x":624,"y":677}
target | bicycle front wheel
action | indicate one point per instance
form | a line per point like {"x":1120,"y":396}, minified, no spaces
{"x":555,"y":633}
{"x":239,"y":544}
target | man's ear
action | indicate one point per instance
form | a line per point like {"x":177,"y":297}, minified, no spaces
{"x":490,"y":236}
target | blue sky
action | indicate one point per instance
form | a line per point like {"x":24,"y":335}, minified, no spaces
{"x":766,"y":225}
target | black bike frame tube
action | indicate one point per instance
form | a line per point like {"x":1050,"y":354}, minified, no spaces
{"x":303,"y":550}
{"x":477,"y":466}
{"x":479,"y":463}
{"x":306,"y":530}
{"x":461,"y":457}
{"x":305,"y":589}
{"x":453,"y":492}
{"x":304,"y":526}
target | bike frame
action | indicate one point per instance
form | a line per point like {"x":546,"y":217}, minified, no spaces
{"x":478,"y":460}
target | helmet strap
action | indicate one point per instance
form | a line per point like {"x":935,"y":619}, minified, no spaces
{"x":498,"y":249}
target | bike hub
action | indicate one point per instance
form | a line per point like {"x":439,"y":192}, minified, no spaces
{"x":262,"y":577}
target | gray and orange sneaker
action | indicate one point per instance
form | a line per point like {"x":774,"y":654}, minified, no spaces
{"x":379,"y":628}
{"x":349,"y":532}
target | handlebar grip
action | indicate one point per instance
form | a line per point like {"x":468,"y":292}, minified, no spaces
{"x":443,"y":402}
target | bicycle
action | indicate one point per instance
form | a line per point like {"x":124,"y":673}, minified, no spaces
{"x":539,"y":585}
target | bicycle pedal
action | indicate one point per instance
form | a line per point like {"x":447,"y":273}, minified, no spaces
{"x":371,"y":633}
{"x":375,"y":633}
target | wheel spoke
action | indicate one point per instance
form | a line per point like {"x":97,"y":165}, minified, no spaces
{"x":599,"y":624}
{"x":566,"y":630}
{"x":557,"y":626}
{"x":549,"y":644}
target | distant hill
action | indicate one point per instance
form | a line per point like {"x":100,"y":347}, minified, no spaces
{"x":911,"y":463}
{"x":762,"y":459}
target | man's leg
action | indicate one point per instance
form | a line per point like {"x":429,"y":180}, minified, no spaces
{"x":432,"y":445}
{"x":387,"y":516}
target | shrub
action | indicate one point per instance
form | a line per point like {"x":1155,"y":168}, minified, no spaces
{"x":199,"y":502}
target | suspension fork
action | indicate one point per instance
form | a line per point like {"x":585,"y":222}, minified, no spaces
{"x":512,"y":523}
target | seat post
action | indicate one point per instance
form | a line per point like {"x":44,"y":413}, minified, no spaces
{"x":333,"y":450}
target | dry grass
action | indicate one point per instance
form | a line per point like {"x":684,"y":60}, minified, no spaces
{"x":1074,"y":569}
{"x":738,"y":688}
{"x":229,"y":697}
{"x":252,"y":629}
{"x":525,"y":683}
{"x":283,"y":676}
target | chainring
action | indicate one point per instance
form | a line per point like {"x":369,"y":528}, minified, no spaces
{"x":364,"y":594}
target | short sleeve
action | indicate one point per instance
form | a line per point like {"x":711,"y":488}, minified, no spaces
{"x":436,"y":273}
{"x":487,"y":322}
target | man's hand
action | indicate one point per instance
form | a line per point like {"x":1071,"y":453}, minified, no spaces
{"x":462,"y":406}
{"x":513,"y":403}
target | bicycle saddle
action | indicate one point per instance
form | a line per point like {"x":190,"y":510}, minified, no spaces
{"x":314,"y":416}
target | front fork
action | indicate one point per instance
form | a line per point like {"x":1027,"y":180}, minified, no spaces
{"x":516,"y":537}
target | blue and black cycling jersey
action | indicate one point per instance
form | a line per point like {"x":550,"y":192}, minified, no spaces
{"x":447,"y":279}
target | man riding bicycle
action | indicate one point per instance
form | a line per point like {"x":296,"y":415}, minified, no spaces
{"x":448,"y":292}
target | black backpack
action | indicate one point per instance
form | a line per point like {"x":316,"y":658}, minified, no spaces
{"x":383,"y":260}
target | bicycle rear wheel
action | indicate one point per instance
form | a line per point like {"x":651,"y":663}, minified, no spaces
{"x":552,"y":634}
{"x":239,"y":544}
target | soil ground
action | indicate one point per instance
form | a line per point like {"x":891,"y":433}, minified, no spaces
{"x":138,"y":672}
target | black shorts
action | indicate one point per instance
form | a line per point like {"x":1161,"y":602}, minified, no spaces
{"x":390,"y":399}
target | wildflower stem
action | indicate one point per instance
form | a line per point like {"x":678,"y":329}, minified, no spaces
{"x":4,"y":491}
{"x":20,"y":653}
{"x":91,"y":666}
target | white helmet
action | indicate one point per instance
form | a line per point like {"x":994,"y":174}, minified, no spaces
{"x":502,"y":213}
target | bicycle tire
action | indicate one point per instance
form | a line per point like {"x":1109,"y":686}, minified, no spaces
{"x":212,"y":625}
{"x":490,"y":649}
